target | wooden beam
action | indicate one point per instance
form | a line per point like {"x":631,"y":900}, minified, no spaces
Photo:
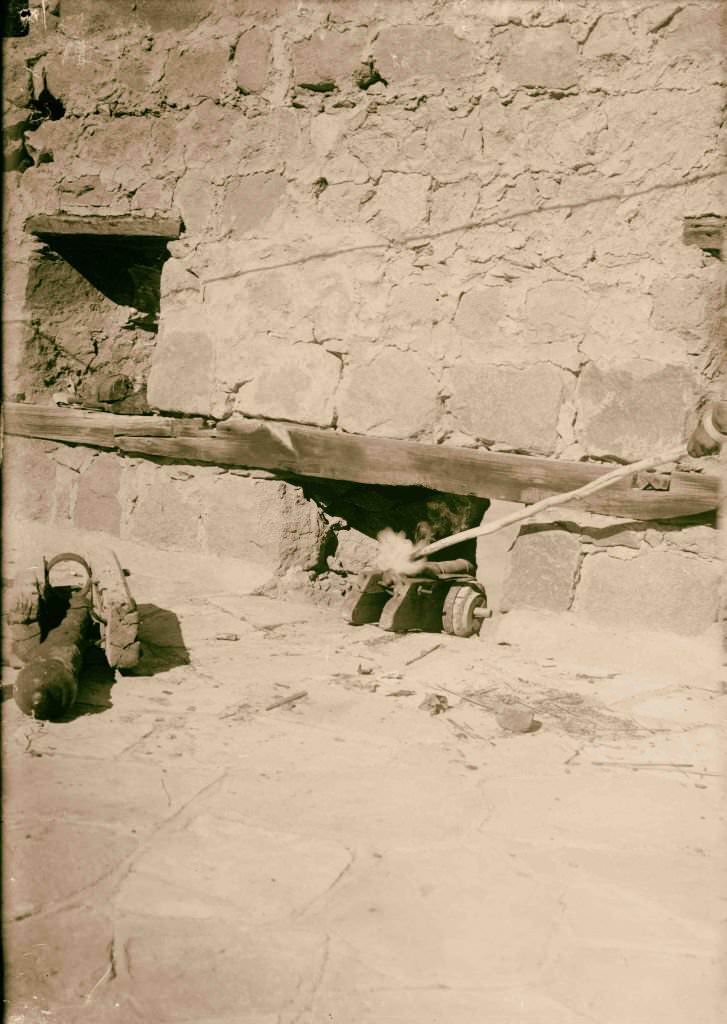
{"x":707,"y":232}
{"x":337,"y":456}
{"x":131,"y":226}
{"x":77,"y":426}
{"x":329,"y":454}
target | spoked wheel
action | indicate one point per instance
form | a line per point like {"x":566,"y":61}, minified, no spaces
{"x":465,"y":606}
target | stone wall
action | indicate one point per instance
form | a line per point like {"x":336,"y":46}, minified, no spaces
{"x":459,"y":223}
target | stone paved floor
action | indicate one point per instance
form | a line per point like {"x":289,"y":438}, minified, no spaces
{"x":178,"y":853}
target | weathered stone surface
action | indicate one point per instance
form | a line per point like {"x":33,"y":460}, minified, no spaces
{"x":164,"y":511}
{"x":97,"y":504}
{"x":181,"y":374}
{"x":252,"y":59}
{"x":400,"y":203}
{"x":634,"y":409}
{"x":196,"y":72}
{"x":48,"y":971}
{"x":679,"y":305}
{"x":415,"y":52}
{"x":515,"y":718}
{"x":296,"y":382}
{"x":539,"y":56}
{"x":355,"y":552}
{"x":153,"y":196}
{"x":611,"y":36}
{"x":250,"y":201}
{"x":662,"y":590}
{"x":558,"y":310}
{"x":393,"y":395}
{"x":508,"y":405}
{"x":494,"y":552}
{"x":701,"y":540}
{"x":28,"y":478}
{"x":328,"y":56}
{"x":693,"y":30}
{"x":543,"y":570}
{"x":263,"y":521}
{"x":479,"y":312}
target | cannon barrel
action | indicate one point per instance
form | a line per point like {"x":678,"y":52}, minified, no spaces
{"x":47,"y":686}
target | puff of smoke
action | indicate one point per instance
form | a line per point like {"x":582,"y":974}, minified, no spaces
{"x":396,"y":553}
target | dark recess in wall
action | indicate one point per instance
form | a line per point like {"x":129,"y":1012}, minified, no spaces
{"x":125,"y":270}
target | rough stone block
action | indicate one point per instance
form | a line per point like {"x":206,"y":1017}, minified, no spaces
{"x":543,"y":570}
{"x":452,"y":204}
{"x":263,"y":521}
{"x":17,"y":79}
{"x":478,"y":312}
{"x":394,"y":395}
{"x":546,"y":57}
{"x":679,"y":304}
{"x":154,"y":195}
{"x":557,"y":310}
{"x":328,"y":57}
{"x":400,"y":203}
{"x":297,"y":383}
{"x":508,"y":405}
{"x":611,"y":36}
{"x":160,"y":15}
{"x":97,"y":503}
{"x":494,"y":552}
{"x":88,"y":17}
{"x":194,"y":198}
{"x":29,"y":478}
{"x":250,"y":201}
{"x":414,"y":52}
{"x":181,"y":376}
{"x":164,"y":512}
{"x":633,"y":410}
{"x":661,"y":590}
{"x":195,"y":72}
{"x":702,"y":540}
{"x":694,"y":32}
{"x":355,"y":552}
{"x":252,"y":60}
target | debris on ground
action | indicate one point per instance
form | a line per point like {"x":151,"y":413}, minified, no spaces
{"x":227,"y":636}
{"x":435,"y":704}
{"x":401,"y":693}
{"x":515,"y":718}
{"x":292,"y":699}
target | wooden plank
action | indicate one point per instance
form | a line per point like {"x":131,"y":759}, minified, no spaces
{"x":258,"y":450}
{"x":77,"y":426}
{"x":309,"y":451}
{"x":104,"y":226}
{"x":336,"y":456}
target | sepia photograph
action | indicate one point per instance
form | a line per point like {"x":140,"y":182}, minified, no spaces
{"x":364,"y":512}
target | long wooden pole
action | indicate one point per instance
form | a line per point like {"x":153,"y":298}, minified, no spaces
{"x":554,"y":500}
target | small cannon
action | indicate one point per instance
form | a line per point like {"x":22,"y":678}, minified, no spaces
{"x":443,"y":596}
{"x":51,"y":627}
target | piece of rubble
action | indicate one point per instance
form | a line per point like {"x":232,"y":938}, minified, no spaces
{"x":514,"y":718}
{"x":435,"y":704}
